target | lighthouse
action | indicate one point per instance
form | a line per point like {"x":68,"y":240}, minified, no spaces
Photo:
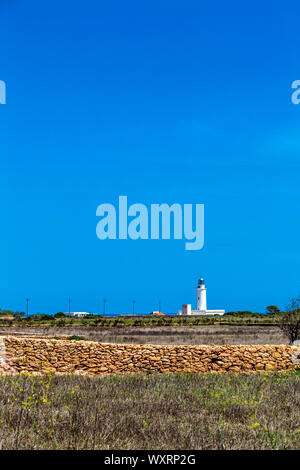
{"x":201,"y":303}
{"x":201,"y":296}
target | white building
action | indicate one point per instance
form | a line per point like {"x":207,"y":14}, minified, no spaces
{"x":78,"y":314}
{"x":201,"y":303}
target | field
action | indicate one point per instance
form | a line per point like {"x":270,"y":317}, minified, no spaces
{"x":236,"y":318}
{"x":151,"y":411}
{"x":203,"y":334}
{"x":179,"y":411}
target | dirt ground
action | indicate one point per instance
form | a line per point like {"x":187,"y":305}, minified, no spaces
{"x":159,"y":335}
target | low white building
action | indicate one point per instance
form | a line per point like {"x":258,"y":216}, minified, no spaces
{"x":201,"y":303}
{"x":79,"y":314}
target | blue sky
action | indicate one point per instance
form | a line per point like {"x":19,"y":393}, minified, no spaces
{"x":185,"y":102}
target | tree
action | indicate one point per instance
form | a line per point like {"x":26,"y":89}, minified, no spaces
{"x":42,"y":316}
{"x":60,"y":315}
{"x":272,"y":309}
{"x":290,"y":323}
{"x":6,"y":312}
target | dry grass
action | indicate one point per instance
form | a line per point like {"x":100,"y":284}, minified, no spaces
{"x":161,"y":335}
{"x":180,"y":411}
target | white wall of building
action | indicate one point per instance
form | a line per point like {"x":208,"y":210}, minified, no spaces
{"x":186,"y":309}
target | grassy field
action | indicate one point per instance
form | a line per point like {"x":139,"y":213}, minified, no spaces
{"x":202,"y":334}
{"x":180,"y":411}
{"x":145,"y":321}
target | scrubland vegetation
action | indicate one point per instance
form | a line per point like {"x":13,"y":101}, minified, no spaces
{"x":176,"y":411}
{"x":243,"y":318}
{"x":166,"y":411}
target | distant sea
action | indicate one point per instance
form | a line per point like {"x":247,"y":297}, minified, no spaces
{"x":129,"y":314}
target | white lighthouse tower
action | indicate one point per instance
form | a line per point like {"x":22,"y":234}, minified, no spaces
{"x":201,"y":296}
{"x":201,"y":303}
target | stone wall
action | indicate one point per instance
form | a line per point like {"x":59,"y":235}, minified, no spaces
{"x":87,"y":357}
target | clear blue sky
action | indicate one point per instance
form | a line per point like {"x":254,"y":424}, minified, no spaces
{"x":162,"y":101}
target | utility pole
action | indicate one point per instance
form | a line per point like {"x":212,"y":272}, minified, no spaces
{"x":104,"y":305}
{"x":133,"y":304}
{"x":70,"y":300}
{"x":27,"y":303}
{"x":159,"y":306}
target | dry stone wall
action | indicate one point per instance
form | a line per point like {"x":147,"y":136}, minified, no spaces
{"x":86,"y":357}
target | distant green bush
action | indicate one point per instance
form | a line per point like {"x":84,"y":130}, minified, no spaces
{"x":76,"y":338}
{"x":60,"y":315}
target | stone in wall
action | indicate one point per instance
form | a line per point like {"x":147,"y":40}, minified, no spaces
{"x":87,"y":357}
